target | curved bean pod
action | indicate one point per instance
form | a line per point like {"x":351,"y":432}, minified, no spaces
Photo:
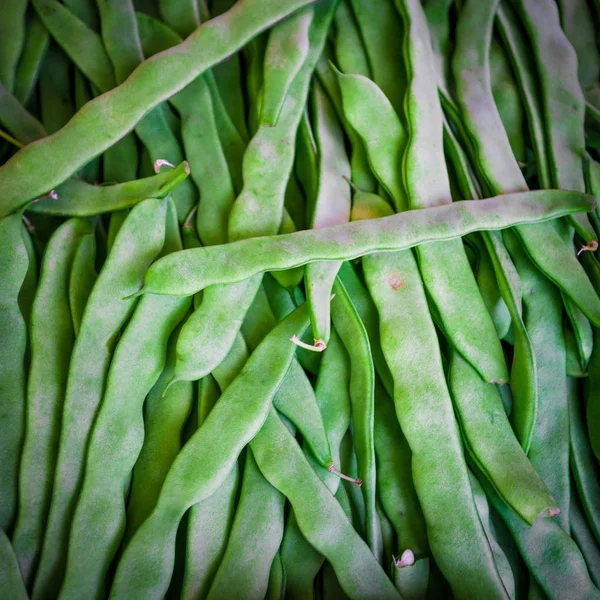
{"x":444,"y":269}
{"x":244,"y":569}
{"x":584,"y":538}
{"x":122,"y":108}
{"x":78,"y":198}
{"x":36,"y":44}
{"x":183,"y":17}
{"x":189,"y":271}
{"x":332,"y":207}
{"x":362,"y":389}
{"x":82,"y":278}
{"x":14,"y":262}
{"x":287,"y":49}
{"x":244,"y":408}
{"x":582,"y":462}
{"x":164,"y":416}
{"x":383,"y":34}
{"x":384,"y":137}
{"x":495,"y":163}
{"x":115,"y":443}
{"x":70,"y":33}
{"x":425,"y":413}
{"x":136,"y":245}
{"x":487,"y":433}
{"x":320,"y":518}
{"x":51,"y":340}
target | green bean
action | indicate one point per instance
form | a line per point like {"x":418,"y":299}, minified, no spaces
{"x":228,"y":76}
{"x":243,"y":407}
{"x":287,"y":50}
{"x":353,"y":497}
{"x":201,"y":267}
{"x":367,"y":312}
{"x":210,"y":519}
{"x":573,"y":365}
{"x":542,"y":316}
{"x":508,"y":101}
{"x":498,"y":169}
{"x":349,"y":50}
{"x":30,"y":282}
{"x":262,"y":181}
{"x":24,"y":126}
{"x":306,"y":161}
{"x":11,"y":584}
{"x":384,"y":137}
{"x":487,"y":434}
{"x":121,"y":109}
{"x":522,"y":62}
{"x":70,"y":32}
{"x":438,"y":21}
{"x":331,"y":587}
{"x":117,"y":437}
{"x":483,"y":509}
{"x":424,"y":161}
{"x":582,"y":461}
{"x":551,"y":556}
{"x":183,"y":17}
{"x":362,"y":389}
{"x":12,"y":39}
{"x":359,"y":162}
{"x":291,"y":279}
{"x":319,"y":516}
{"x":34,"y":49}
{"x":383,"y":36}
{"x":13,"y":268}
{"x":137,"y":244}
{"x":584,"y":336}
{"x":51,"y":343}
{"x":584,"y":538}
{"x":82,"y":278}
{"x":332,"y":207}
{"x":258,"y":209}
{"x":78,"y":198}
{"x":117,"y":219}
{"x":300,"y":560}
{"x":424,"y":410}
{"x":244,"y":569}
{"x":91,"y":171}
{"x":164,"y":416}
{"x":398,"y":497}
{"x":234,"y":143}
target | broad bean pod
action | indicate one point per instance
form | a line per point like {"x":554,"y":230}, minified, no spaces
{"x":187,"y":272}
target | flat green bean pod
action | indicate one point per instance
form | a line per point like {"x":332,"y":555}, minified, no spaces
{"x":487,"y":433}
{"x":136,"y":245}
{"x":583,"y":536}
{"x":242,"y":410}
{"x":82,"y":278}
{"x":117,"y":112}
{"x":319,"y":517}
{"x":189,"y":271}
{"x":362,"y":389}
{"x":75,"y":197}
{"x":36,"y":44}
{"x":582,"y":463}
{"x":116,"y":438}
{"x":14,"y":261}
{"x":287,"y":49}
{"x":183,"y":17}
{"x":69,"y":31}
{"x":51,"y":342}
{"x":332,"y":207}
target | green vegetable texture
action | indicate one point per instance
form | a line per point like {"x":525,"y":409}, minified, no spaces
{"x":299,"y":299}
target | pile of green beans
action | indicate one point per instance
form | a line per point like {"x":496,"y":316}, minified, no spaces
{"x":299,"y":299}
